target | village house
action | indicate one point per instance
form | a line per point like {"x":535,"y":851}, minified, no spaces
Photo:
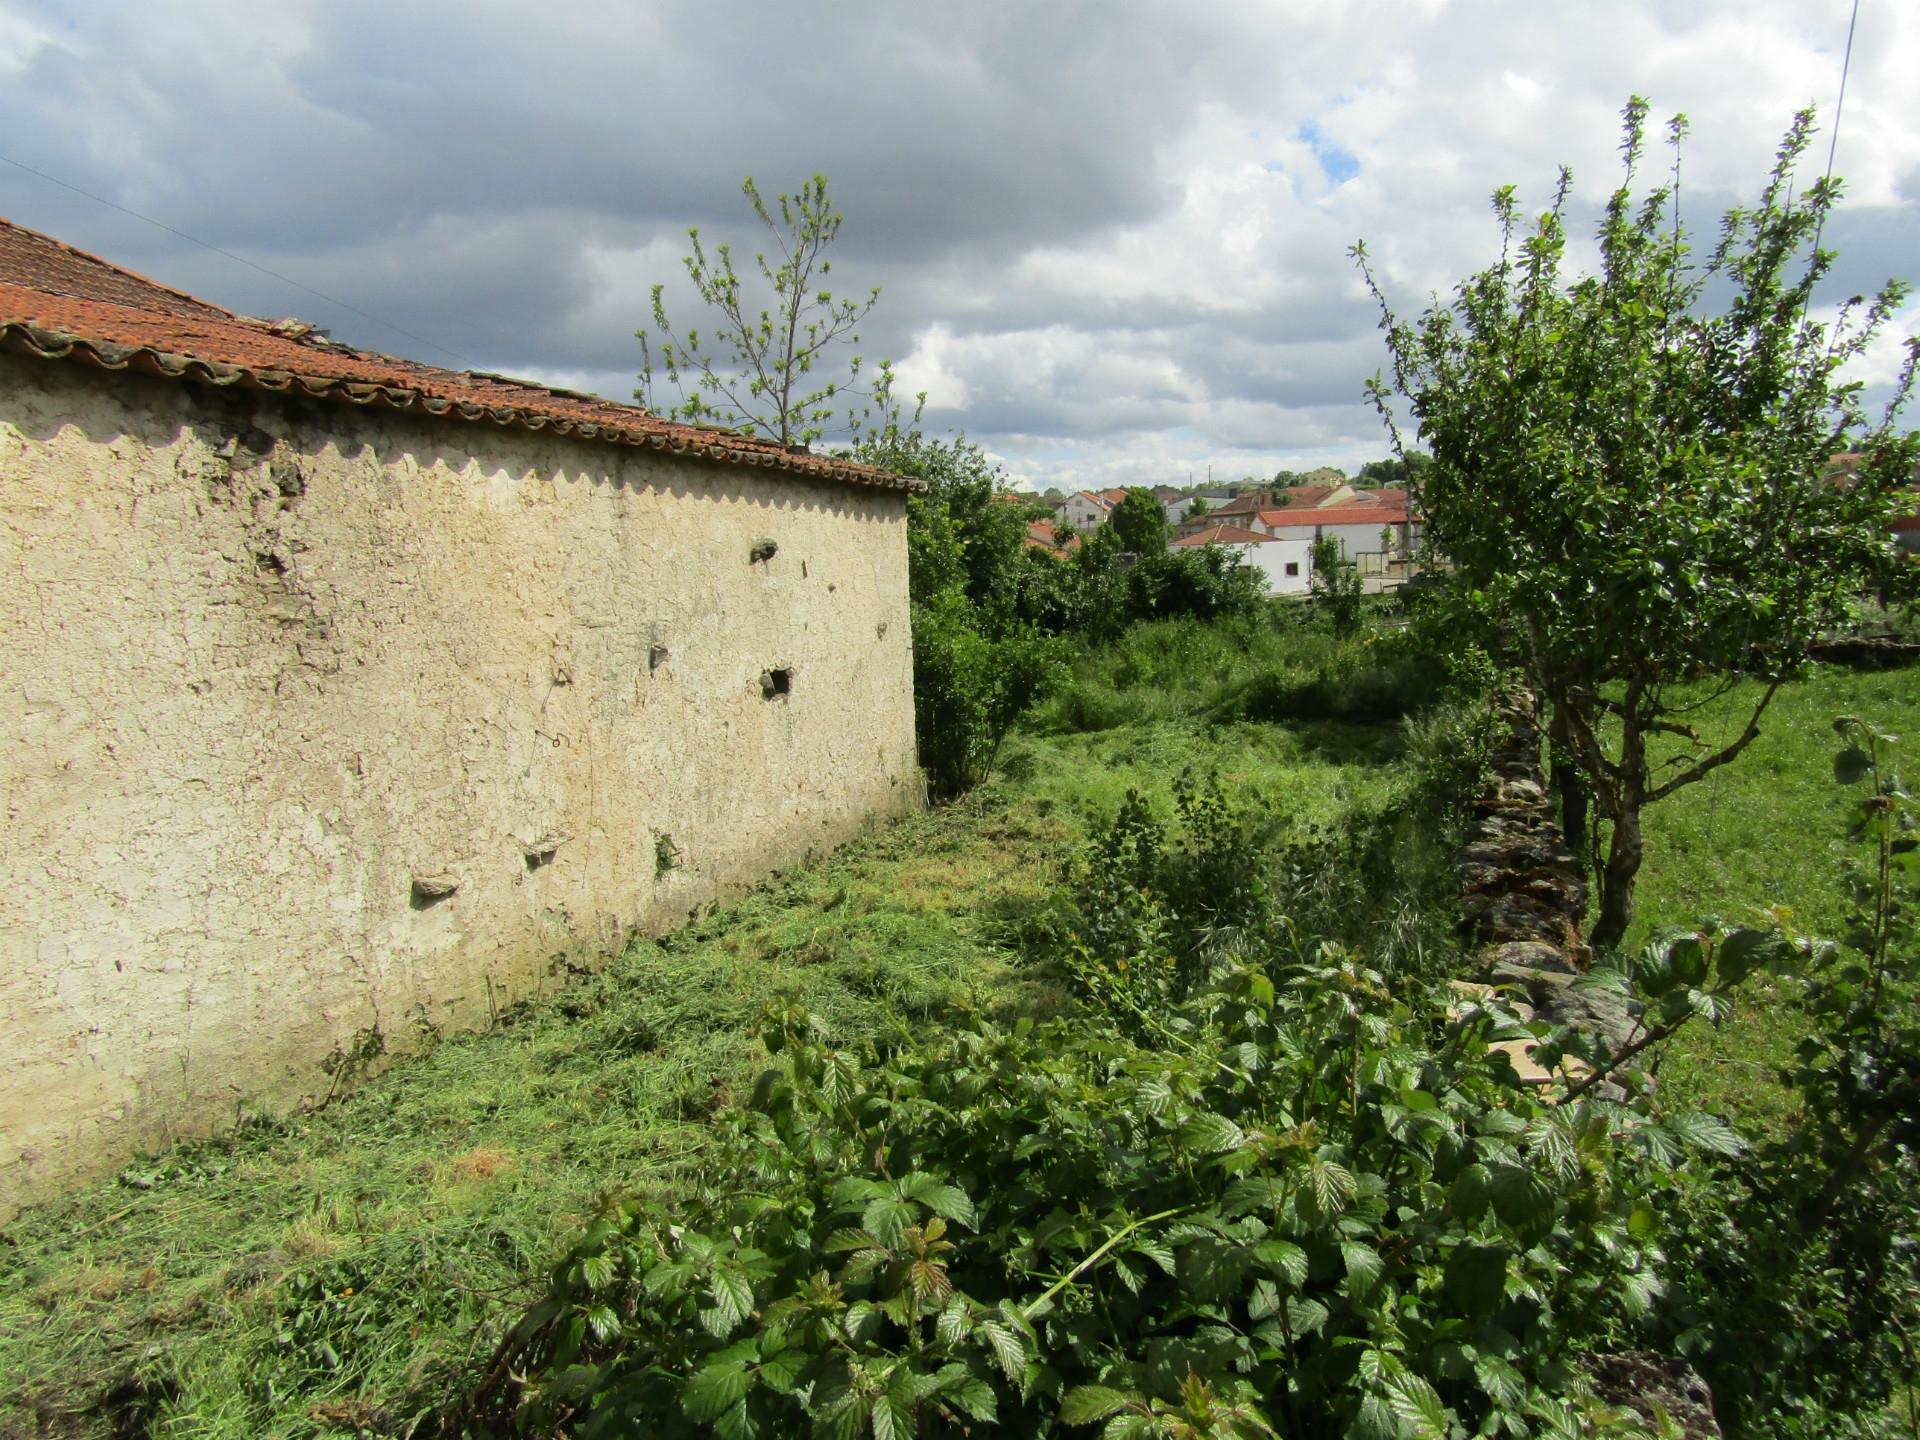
{"x":1373,"y":528}
{"x":1087,"y":510}
{"x":348,"y":699}
{"x":1242,"y":508}
{"x":1284,"y":563}
{"x":1044,"y":535}
{"x":1174,"y":502}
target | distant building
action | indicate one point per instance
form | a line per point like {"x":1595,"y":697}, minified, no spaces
{"x":1372,"y":528}
{"x":1044,"y":535}
{"x":1176,"y":503}
{"x":1284,"y":563}
{"x":1087,"y":510}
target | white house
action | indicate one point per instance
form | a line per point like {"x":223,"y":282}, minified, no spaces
{"x":1367,"y":525}
{"x":1284,"y":562}
{"x":1175,"y":503}
{"x":1087,"y":510}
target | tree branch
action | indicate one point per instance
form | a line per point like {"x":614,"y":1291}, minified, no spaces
{"x":1723,"y":755}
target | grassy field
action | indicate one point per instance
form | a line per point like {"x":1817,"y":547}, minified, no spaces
{"x":334,"y":1272}
{"x":1767,"y":830}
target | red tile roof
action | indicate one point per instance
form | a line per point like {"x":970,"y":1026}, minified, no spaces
{"x":1043,"y":535}
{"x":1224,"y":535}
{"x":60,"y":303}
{"x":1255,"y":501}
{"x":1392,"y":498}
{"x":1346,"y":513}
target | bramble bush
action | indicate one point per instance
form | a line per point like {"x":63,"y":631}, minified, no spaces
{"x":1250,"y":1190}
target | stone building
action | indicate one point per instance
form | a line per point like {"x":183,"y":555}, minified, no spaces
{"x":344,"y":699}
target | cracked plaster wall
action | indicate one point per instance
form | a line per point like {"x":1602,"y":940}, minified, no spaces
{"x":274,"y":673}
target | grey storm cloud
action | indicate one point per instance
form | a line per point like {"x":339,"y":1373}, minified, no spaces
{"x":1112,"y":238}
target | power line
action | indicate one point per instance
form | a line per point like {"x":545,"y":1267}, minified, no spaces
{"x":241,"y":259}
{"x":1839,"y":105}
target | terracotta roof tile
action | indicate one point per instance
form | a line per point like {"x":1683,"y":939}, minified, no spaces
{"x":64,"y":304}
{"x":1224,"y":535}
{"x":1346,"y":513}
{"x":1043,"y":535}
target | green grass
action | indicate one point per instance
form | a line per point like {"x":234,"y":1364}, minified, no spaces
{"x":1767,"y":830}
{"x":1275,"y":665}
{"x":336,"y":1271}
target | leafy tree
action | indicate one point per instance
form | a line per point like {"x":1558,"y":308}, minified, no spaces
{"x":1198,"y":508}
{"x":1629,"y":483}
{"x":1395,"y":471}
{"x":1139,"y":523}
{"x":757,"y":369}
{"x":1336,"y":583}
{"x":979,"y":658}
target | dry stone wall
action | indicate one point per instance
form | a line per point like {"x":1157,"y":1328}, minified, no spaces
{"x":1523,"y":895}
{"x":1523,"y":892}
{"x":323,"y":727}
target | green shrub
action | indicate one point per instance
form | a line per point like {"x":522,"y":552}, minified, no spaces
{"x":969,"y":688}
{"x":1368,"y":679}
{"x":1799,"y":1265}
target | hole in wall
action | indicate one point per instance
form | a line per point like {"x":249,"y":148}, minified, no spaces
{"x":656,"y":657}
{"x":666,"y":854}
{"x":774,"y":683}
{"x":762,"y":552}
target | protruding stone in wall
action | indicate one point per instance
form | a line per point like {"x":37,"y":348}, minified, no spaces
{"x":1650,"y":1385}
{"x":431,"y":889}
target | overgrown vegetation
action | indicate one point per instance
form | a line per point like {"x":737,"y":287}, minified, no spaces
{"x":1799,"y":1263}
{"x":1257,"y":1186}
{"x":993,"y":618}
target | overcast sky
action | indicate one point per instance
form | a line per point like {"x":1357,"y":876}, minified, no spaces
{"x":1112,"y":238}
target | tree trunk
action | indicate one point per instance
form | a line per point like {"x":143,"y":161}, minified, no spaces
{"x":1616,"y":879}
{"x":1567,"y":782}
